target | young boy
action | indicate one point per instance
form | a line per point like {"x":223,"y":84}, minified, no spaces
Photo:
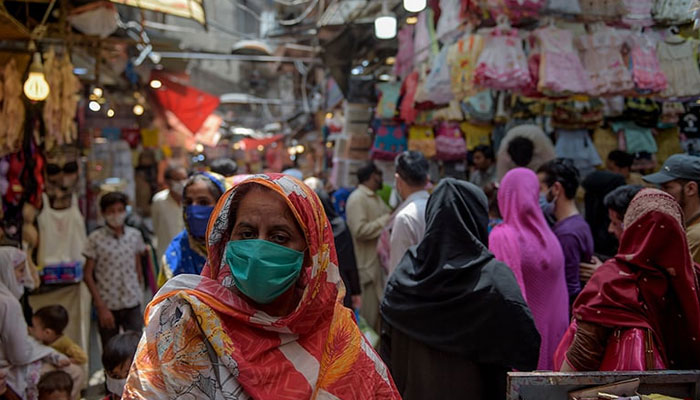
{"x":117,"y":357}
{"x":55,"y":385}
{"x":48,"y":325}
{"x":113,"y":269}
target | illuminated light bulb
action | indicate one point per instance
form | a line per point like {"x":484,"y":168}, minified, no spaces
{"x":390,"y":60}
{"x":98,"y":92}
{"x":412,"y":20}
{"x":156,"y":84}
{"x":199,"y":148}
{"x":300,"y":149}
{"x":138,"y":109}
{"x":35,"y":87}
{"x":329,"y":115}
{"x":329,"y":144}
{"x":414,"y":6}
{"x":94,"y":106}
{"x":261,"y":148}
{"x":110,"y":113}
{"x":385,"y":27}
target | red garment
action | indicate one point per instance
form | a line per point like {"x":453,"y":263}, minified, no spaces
{"x":651,"y":283}
{"x":408,"y":90}
{"x":191,"y":106}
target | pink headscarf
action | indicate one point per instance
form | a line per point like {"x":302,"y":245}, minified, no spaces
{"x":525,"y":242}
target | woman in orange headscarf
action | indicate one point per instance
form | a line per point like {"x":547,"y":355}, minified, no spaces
{"x":265,"y":319}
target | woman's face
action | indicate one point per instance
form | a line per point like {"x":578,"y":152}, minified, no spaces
{"x":198,"y":194}
{"x":263,"y":214}
{"x":19,"y":273}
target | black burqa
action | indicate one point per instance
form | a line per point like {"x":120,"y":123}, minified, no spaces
{"x":597,"y":185}
{"x":451,"y":301}
{"x":343,"y":248}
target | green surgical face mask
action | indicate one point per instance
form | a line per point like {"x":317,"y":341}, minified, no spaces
{"x":263,"y":270}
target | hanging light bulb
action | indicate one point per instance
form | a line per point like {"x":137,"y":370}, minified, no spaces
{"x":98,"y":92}
{"x":94,"y":106}
{"x":110,"y":113}
{"x":414,"y":6}
{"x":385,"y":25}
{"x":138,"y":109}
{"x":35,"y":87}
{"x":156,"y":84}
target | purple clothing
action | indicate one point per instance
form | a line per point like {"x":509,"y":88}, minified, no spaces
{"x":576,"y":241}
{"x":527,"y":245}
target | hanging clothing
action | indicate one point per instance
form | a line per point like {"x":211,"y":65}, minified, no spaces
{"x":561,"y":71}
{"x":451,"y":278}
{"x":673,"y":11}
{"x":527,"y":245}
{"x":62,"y":233}
{"x":638,"y":12}
{"x":578,"y":146}
{"x":651,"y":285}
{"x":601,"y":52}
{"x":637,"y":139}
{"x":463,"y":58}
{"x":678,"y":58}
{"x":207,"y":341}
{"x":597,"y":186}
{"x":646,"y":71}
{"x":566,"y":7}
{"x":502,"y":64}
{"x":404,"y":57}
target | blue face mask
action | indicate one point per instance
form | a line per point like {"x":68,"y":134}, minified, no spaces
{"x":547,"y":206}
{"x":263,"y":270}
{"x":197,"y":218}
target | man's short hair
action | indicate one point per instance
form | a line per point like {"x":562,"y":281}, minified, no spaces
{"x":224,"y":166}
{"x":365,"y":172}
{"x":412,"y":167}
{"x":112,"y":198}
{"x":561,"y":170}
{"x":54,"y":317}
{"x":521,"y":150}
{"x":619,"y":199}
{"x":621,"y":159}
{"x":487,"y":151}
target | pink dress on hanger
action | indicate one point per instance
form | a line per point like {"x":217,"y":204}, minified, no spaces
{"x":646,"y":71}
{"x":502,"y":64}
{"x":601,"y":52}
{"x":561,"y":71}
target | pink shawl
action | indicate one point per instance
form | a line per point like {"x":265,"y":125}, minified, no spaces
{"x":525,"y":242}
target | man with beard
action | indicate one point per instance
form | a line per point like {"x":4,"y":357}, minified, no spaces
{"x":680,"y":177}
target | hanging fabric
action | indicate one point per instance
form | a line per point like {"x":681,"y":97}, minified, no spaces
{"x":463,"y":57}
{"x":561,"y":71}
{"x":388,"y":97}
{"x":404,"y":57}
{"x":678,"y":58}
{"x":438,"y":83}
{"x":601,"y":52}
{"x":449,"y":142}
{"x":502,"y":65}
{"x":422,"y":138}
{"x":389,"y":141}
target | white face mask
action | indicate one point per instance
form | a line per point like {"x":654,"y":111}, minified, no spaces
{"x":115,"y":220}
{"x":115,"y":386}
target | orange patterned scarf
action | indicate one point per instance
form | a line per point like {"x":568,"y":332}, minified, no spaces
{"x":205,"y":341}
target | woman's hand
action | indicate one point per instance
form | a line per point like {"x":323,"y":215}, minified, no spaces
{"x":105,"y":317}
{"x":586,"y":270}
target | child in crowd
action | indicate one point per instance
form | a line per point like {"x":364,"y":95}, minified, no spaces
{"x":55,"y":385}
{"x":117,"y":357}
{"x":48,"y":325}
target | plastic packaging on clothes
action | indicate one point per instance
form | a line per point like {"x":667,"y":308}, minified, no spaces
{"x":449,"y":21}
{"x":502,"y":64}
{"x":578,"y":146}
{"x":449,"y":142}
{"x":422,"y":138}
{"x":678,"y":60}
{"x":646,"y":71}
{"x":602,"y":57}
{"x":676,"y":11}
{"x":561,"y":70}
{"x":425,"y":45}
{"x":438,"y":83}
{"x":404,"y":57}
{"x":463,"y":57}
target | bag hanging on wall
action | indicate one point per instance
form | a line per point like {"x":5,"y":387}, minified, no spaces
{"x":421,"y":138}
{"x":449,"y":142}
{"x":389,"y":141}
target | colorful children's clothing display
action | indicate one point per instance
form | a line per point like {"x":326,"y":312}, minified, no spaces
{"x":646,"y":71}
{"x":678,"y":59}
{"x":602,"y":9}
{"x":637,"y":138}
{"x":570,"y":7}
{"x":404,"y":58}
{"x":601,"y":52}
{"x":638,"y":13}
{"x":463,"y":58}
{"x":502,"y":65}
{"x":561,"y":71}
{"x":676,"y":11}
